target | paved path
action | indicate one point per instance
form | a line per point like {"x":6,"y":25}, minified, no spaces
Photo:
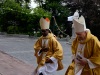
{"x":12,"y":66}
{"x":22,"y":49}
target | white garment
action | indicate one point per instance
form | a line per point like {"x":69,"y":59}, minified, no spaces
{"x":48,"y":68}
{"x":44,"y":43}
{"x":91,"y":65}
{"x":80,"y":52}
{"x":78,"y":67}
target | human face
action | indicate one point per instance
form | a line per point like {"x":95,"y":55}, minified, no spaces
{"x":81,"y":35}
{"x":44,"y":32}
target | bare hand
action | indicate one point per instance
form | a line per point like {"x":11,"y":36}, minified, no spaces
{"x":83,"y":61}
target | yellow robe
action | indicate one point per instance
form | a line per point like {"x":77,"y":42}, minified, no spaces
{"x":91,"y":52}
{"x":55,"y":50}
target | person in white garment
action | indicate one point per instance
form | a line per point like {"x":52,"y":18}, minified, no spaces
{"x":85,"y":51}
{"x":48,"y":51}
{"x":70,"y":18}
{"x":75,"y":16}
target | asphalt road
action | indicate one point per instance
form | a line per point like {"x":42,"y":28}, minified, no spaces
{"x":22,"y":48}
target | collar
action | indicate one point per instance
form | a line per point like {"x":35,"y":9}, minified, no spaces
{"x":88,"y":37}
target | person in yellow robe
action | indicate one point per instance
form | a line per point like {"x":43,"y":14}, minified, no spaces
{"x":85,"y":51}
{"x":48,"y":51}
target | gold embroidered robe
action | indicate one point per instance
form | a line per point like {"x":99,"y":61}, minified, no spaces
{"x":91,"y":52}
{"x":55,"y":50}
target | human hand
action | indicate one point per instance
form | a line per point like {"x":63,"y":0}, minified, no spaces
{"x":82,"y":61}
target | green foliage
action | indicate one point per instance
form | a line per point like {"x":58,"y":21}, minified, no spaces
{"x":19,"y":1}
{"x":54,"y":5}
{"x":13,"y":14}
{"x":0,"y":28}
{"x":10,"y":4}
{"x":41,"y":12}
{"x":60,"y":12}
{"x":12,"y":29}
{"x":41,"y":2}
{"x":15,"y":18}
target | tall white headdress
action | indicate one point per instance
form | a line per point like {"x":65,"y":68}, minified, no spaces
{"x":79,"y":24}
{"x":44,"y":23}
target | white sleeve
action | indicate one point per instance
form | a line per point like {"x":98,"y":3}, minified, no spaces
{"x":53,"y":59}
{"x":91,"y":65}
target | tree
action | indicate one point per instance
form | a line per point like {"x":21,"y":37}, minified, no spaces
{"x":38,"y":13}
{"x":14,"y":15}
{"x":91,"y":11}
{"x":57,"y":10}
{"x":24,"y":3}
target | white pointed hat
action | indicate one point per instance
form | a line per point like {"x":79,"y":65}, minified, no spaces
{"x":44,"y":23}
{"x":79,"y":24}
{"x":76,"y":15}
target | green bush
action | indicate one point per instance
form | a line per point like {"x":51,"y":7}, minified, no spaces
{"x":31,"y":33}
{"x":12,"y":29}
{"x":38,"y":34}
{"x":0,"y":28}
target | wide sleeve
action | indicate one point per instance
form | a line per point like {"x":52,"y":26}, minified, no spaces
{"x":37,"y":46}
{"x":95,"y":58}
{"x":57,"y":49}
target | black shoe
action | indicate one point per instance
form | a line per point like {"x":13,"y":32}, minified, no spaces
{"x":41,"y":73}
